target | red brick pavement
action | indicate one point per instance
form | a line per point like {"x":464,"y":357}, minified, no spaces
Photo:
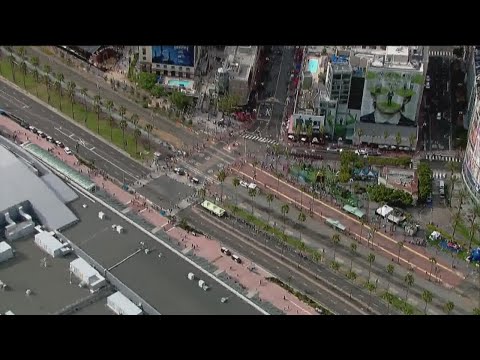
{"x":412,"y":256}
{"x":205,"y":248}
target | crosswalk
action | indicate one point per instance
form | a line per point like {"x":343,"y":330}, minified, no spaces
{"x":433,"y":157}
{"x":442,"y":53}
{"x":261,"y":139}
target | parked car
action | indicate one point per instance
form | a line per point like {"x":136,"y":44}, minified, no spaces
{"x":68,"y":151}
{"x":225,"y":251}
{"x":244,"y":184}
{"x":236,"y":259}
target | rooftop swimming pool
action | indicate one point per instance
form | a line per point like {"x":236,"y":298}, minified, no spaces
{"x":313,"y":66}
{"x":180,"y":83}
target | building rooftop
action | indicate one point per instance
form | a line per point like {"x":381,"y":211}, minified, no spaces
{"x":161,"y":281}
{"x":50,"y":286}
{"x":19,"y":184}
{"x":240,"y":60}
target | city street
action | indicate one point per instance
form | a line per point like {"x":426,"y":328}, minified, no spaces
{"x":91,"y":147}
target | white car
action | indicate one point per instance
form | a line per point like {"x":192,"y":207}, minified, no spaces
{"x":303,"y":139}
{"x":439,"y":116}
{"x":68,"y":151}
{"x":244,"y":184}
{"x":291,"y":137}
{"x":252,"y":186}
{"x":315,"y":141}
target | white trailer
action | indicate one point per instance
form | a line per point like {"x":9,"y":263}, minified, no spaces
{"x":87,"y":274}
{"x":51,"y":245}
{"x":6,"y":251}
{"x":121,"y":305}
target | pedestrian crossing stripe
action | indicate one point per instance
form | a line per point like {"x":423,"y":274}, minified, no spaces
{"x":441,"y":53}
{"x":260,"y":139}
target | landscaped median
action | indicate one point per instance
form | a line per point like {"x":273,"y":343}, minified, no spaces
{"x":96,"y":121}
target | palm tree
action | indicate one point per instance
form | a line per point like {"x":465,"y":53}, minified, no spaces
{"x":148,"y":129}
{"x":58,"y":88}
{"x":462,"y":195}
{"x":352,"y":276}
{"x":36,"y":77}
{"x":122,"y":111}
{"x":400,"y":246}
{"x":371,"y":260}
{"x":389,"y":297}
{"x":409,"y":281}
{"x":453,"y":167}
{"x":455,"y":222}
{"x":427,"y":296}
{"x":21,"y":52}
{"x":449,"y":306}
{"x":474,"y":229}
{"x":35,"y":61}
{"x":48,"y":82}
{"x":12,"y":59}
{"x":301,"y":218}
{"x":336,"y":241}
{"x":221,"y":176}
{"x":236,"y":182}
{"x":84,"y":94}
{"x":359,"y":135}
{"x":285,"y":209}
{"x":123,"y":126}
{"x":270,"y":198}
{"x":202,"y":193}
{"x":371,"y":288}
{"x":398,"y":139}
{"x":134,"y":120}
{"x":109,"y":105}
{"x":386,"y":135}
{"x":136,"y":134}
{"x":23,"y":69}
{"x":411,"y":140}
{"x":71,"y":86}
{"x":353,"y":252}
{"x":453,"y":181}
{"x":335,"y":265}
{"x":390,"y":270}
{"x":252,"y":193}
{"x":60,"y":79}
{"x":47,"y":69}
{"x":433,"y":261}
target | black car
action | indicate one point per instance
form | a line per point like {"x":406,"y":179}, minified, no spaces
{"x":24,"y":125}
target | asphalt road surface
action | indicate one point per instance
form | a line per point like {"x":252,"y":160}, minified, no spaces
{"x":96,"y":85}
{"x":268,"y":255}
{"x":106,"y":157}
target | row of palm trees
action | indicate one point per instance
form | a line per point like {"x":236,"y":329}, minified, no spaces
{"x":409,"y":279}
{"x":71,"y":91}
{"x":398,"y":137}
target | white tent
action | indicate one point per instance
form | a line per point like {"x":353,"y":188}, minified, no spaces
{"x":384,"y":211}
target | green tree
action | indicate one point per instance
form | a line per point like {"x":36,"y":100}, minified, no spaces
{"x":122,"y":111}
{"x":71,"y":95}
{"x":134,"y":120}
{"x":454,"y":180}
{"x":252,"y":193}
{"x":335,"y":241}
{"x":427,"y":297}
{"x":353,"y":253}
{"x":21,"y":52}
{"x":390,"y":270}
{"x":310,"y":131}
{"x":36,"y":76}
{"x":371,"y":289}
{"x":389,"y":298}
{"x":301,"y":219}
{"x":123,"y":126}
{"x":398,"y":139}
{"x":352,"y":276}
{"x":228,"y":103}
{"x":371,"y":260}
{"x":83,"y":91}
{"x":109,"y":105}
{"x":285,"y":209}
{"x":98,"y":109}
{"x":48,"y":83}
{"x":386,"y":135}
{"x":180,"y":100}
{"x":12,"y":61}
{"x":456,"y":220}
{"x":360,"y":133}
{"x":322,"y":131}
{"x":202,"y":193}
{"x":23,"y":69}
{"x":448,"y":308}
{"x":473,"y":228}
{"x":236,"y":182}
{"x":400,"y":245}
{"x":221,"y":176}
{"x":335,"y":265}
{"x":409,"y":281}
{"x":136,"y":134}
{"x":147,"y":80}
{"x":148,"y":129}
{"x":412,"y":139}
{"x":58,"y":88}
{"x":476,"y":311}
{"x":270,"y":198}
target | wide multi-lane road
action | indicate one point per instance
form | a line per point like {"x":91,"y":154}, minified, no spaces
{"x":106,"y":157}
{"x":321,"y":284}
{"x":170,"y":132}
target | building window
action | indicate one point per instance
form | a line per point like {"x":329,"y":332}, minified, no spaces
{"x":165,"y":72}
{"x":172,"y":73}
{"x":364,"y":47}
{"x":144,"y":58}
{"x":172,"y":67}
{"x":157,"y":72}
{"x":180,"y":68}
{"x":144,"y":51}
{"x":164,"y":66}
{"x":187,"y":75}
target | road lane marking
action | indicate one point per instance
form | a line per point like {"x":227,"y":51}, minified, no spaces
{"x":299,"y":307}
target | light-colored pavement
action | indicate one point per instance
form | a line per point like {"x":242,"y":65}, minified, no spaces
{"x":209,"y":249}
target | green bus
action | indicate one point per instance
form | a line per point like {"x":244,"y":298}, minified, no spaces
{"x":216,"y":210}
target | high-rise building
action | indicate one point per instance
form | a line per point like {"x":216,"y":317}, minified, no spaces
{"x":174,"y":61}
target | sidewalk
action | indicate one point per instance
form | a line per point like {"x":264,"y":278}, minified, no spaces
{"x":203,"y":247}
{"x":416,"y":258}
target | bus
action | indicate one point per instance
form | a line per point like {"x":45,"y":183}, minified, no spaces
{"x":442,"y":189}
{"x":214,"y":209}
